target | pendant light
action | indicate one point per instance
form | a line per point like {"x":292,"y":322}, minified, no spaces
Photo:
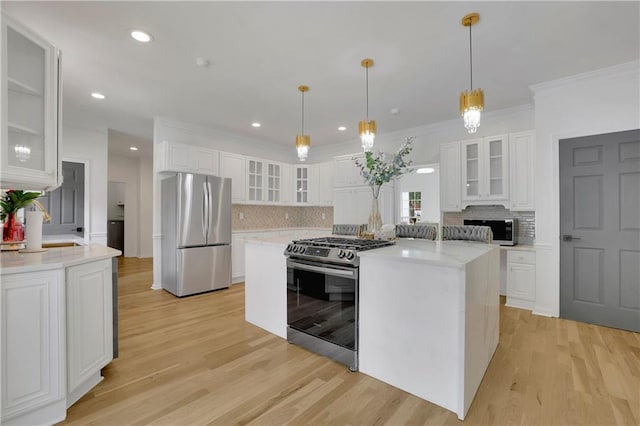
{"x":366,"y":128}
{"x":303,"y":142}
{"x":472,"y":101}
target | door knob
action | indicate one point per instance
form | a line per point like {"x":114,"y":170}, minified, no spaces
{"x":570,"y":238}
{"x":80,"y":229}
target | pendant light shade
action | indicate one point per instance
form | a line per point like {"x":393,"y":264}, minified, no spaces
{"x":367,"y":128}
{"x":303,"y":142}
{"x":471,"y":101}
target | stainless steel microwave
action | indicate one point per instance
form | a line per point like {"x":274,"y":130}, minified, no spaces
{"x":505,"y":231}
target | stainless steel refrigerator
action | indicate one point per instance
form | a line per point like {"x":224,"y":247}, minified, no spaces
{"x":196,"y":233}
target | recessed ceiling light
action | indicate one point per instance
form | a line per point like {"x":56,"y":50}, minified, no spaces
{"x":342,"y":128}
{"x":425,"y":170}
{"x":141,"y":36}
{"x":256,"y":124}
{"x":97,"y":95}
{"x":133,"y":148}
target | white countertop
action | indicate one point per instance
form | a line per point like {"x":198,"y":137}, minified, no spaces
{"x":249,"y":231}
{"x":282,"y":241}
{"x":441,"y":253}
{"x":14,"y":262}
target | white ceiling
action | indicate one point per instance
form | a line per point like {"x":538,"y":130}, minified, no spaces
{"x":260,"y":52}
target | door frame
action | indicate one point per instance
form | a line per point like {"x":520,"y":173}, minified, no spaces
{"x":87,"y":193}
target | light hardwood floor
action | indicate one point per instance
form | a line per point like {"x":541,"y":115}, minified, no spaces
{"x":196,"y":361}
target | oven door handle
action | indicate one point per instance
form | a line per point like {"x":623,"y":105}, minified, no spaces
{"x":323,"y":270}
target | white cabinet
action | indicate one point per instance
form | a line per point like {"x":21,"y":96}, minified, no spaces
{"x":255,"y":180}
{"x":450,"y":189}
{"x":30,"y":134}
{"x":287,"y":184}
{"x":301,"y":184}
{"x":346,"y":171}
{"x":89,"y":325}
{"x":325,"y":183}
{"x":238,"y":242}
{"x":353,"y":205}
{"x":33,"y":353}
{"x":233,"y":166}
{"x":485,"y":170}
{"x":522,"y":164}
{"x":521,"y":278}
{"x":177,"y":157}
{"x":274,"y":183}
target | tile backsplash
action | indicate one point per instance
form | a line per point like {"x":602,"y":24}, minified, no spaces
{"x":526,"y":220}
{"x":268,"y":217}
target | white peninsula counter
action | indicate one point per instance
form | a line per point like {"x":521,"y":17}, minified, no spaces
{"x":428,"y":312}
{"x":57,"y":329}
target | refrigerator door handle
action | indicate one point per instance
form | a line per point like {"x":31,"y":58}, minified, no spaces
{"x":205,"y":209}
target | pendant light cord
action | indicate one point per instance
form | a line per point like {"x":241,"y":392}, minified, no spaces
{"x":470,"y":57}
{"x":302,"y":114}
{"x":367,"y":73}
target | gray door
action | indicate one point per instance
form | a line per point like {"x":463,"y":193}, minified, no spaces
{"x":66,"y":203}
{"x":600,"y":229}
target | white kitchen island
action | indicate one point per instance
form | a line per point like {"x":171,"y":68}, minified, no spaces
{"x":429,"y":312}
{"x":57,"y":329}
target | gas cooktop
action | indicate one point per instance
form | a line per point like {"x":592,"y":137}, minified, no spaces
{"x":333,"y":249}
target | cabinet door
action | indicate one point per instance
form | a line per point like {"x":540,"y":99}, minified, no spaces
{"x":178,"y":157}
{"x":233,"y":166}
{"x":33,"y":354}
{"x":30,"y":90}
{"x":205,"y":161}
{"x":301,"y":184}
{"x":274,"y":183}
{"x":450,"y":177}
{"x":255,"y":183}
{"x":343,"y":206}
{"x":325,"y":184}
{"x":287,"y":184}
{"x":346,"y":171}
{"x":495,"y":170}
{"x":522,"y":165}
{"x":521,"y":281}
{"x":89,"y":321}
{"x":471,"y":169}
{"x":237,"y":257}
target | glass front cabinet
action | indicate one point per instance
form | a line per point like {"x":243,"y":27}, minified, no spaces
{"x":485,"y":169}
{"x":30,"y":109}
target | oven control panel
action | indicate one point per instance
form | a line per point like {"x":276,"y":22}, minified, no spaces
{"x":328,"y":254}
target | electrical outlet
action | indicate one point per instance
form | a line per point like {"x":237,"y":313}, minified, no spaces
{"x":324,"y":216}
{"x":241,"y":215}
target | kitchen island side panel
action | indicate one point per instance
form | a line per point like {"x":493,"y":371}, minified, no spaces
{"x":411,"y":315}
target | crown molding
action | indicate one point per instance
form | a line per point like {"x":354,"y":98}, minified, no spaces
{"x":616,"y":70}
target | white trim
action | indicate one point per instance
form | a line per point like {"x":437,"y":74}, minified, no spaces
{"x":620,"y":69}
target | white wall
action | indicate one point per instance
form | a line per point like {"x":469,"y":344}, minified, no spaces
{"x":90,"y":147}
{"x":593,"y":103}
{"x":136,"y":172}
{"x":126,"y":170}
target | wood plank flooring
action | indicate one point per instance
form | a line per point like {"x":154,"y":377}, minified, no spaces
{"x":196,"y":361}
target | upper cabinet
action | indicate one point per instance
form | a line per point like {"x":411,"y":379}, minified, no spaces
{"x":522,"y":163}
{"x":30,"y":110}
{"x":301,"y":185}
{"x":325,"y":177}
{"x":255,"y":181}
{"x":233,"y":166}
{"x":346,"y":171}
{"x":177,"y":157}
{"x":485,"y":170}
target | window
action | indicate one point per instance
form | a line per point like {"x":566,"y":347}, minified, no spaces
{"x":411,"y":207}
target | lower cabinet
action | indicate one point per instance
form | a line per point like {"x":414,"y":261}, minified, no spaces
{"x":41,"y":375}
{"x":33,"y":352}
{"x":89,"y":325}
{"x":521,"y":278}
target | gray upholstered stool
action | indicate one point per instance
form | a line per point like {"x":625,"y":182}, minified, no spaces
{"x":424,"y":231}
{"x":348,"y":229}
{"x":467,"y":233}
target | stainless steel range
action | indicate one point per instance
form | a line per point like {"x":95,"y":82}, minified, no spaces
{"x":322,"y":295}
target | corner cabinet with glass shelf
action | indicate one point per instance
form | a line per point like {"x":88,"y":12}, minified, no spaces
{"x":485,"y":171}
{"x":30,"y":109}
